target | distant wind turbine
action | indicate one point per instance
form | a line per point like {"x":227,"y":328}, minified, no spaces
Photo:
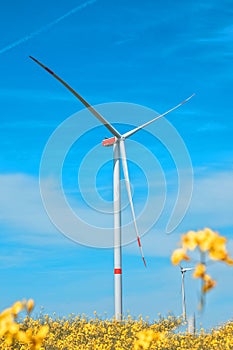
{"x":119,"y":153}
{"x":183,"y":270}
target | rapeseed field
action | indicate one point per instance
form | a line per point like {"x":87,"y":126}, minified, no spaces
{"x":18,"y":330}
{"x":81,"y":333}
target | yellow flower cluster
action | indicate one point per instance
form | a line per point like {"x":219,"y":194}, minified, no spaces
{"x":12,"y":332}
{"x":210,"y":245}
{"x":80,"y":333}
{"x":146,"y":338}
{"x":207,"y":241}
{"x":217,"y":339}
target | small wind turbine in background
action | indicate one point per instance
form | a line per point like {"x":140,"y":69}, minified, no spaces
{"x":117,"y":141}
{"x":183,"y":270}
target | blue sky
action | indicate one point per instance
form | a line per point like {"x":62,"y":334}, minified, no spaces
{"x":150,"y":54}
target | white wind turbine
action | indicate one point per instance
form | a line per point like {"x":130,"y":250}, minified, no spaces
{"x":183,"y":270}
{"x":118,"y":143}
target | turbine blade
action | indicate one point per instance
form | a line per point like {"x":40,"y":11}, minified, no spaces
{"x":127,"y":183}
{"x":129,"y":133}
{"x":86,"y":104}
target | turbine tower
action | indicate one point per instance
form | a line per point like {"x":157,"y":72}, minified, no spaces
{"x":183,"y":270}
{"x":119,"y":154}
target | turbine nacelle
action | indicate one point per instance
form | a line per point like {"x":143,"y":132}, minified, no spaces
{"x":184,"y":269}
{"x":109,"y":142}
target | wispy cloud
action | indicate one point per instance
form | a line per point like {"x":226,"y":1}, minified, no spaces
{"x":21,"y":207}
{"x":25,"y":94}
{"x":213,"y":126}
{"x":213,"y":199}
{"x":211,"y":206}
{"x":47,"y":26}
{"x":224,"y":35}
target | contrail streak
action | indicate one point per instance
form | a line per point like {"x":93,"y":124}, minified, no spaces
{"x":46,"y":27}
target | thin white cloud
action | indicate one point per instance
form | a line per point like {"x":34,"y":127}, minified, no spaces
{"x":211,"y":206}
{"x":213,"y":126}
{"x":21,"y":208}
{"x":212,"y":200}
{"x":224,"y":35}
{"x":46,"y":27}
{"x":25,"y":94}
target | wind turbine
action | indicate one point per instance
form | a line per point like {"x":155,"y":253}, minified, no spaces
{"x":183,"y":270}
{"x":119,"y":153}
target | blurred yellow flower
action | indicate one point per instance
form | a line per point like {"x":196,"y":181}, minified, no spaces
{"x":7,"y":313}
{"x":11,"y":332}
{"x":30,"y":305}
{"x":229,"y":261}
{"x":205,"y":239}
{"x":210,"y":245}
{"x":218,"y":249}
{"x":38,"y":338}
{"x":209,"y":283}
{"x":146,"y":337}
{"x":189,"y":240}
{"x":178,"y":255}
{"x":17,"y":307}
{"x":199,"y":271}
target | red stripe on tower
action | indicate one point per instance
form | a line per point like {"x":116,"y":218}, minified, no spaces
{"x":139,"y":242}
{"x":117,"y":271}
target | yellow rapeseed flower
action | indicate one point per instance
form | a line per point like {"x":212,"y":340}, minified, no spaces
{"x":210,"y":245}
{"x":229,"y":261}
{"x":218,"y":249}
{"x":178,"y":255}
{"x":30,"y":305}
{"x":189,"y":240}
{"x":6,"y":314}
{"x":205,"y":239}
{"x":17,"y":307}
{"x":199,"y":271}
{"x":209,"y":283}
{"x":22,"y":337}
{"x":145,"y":338}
